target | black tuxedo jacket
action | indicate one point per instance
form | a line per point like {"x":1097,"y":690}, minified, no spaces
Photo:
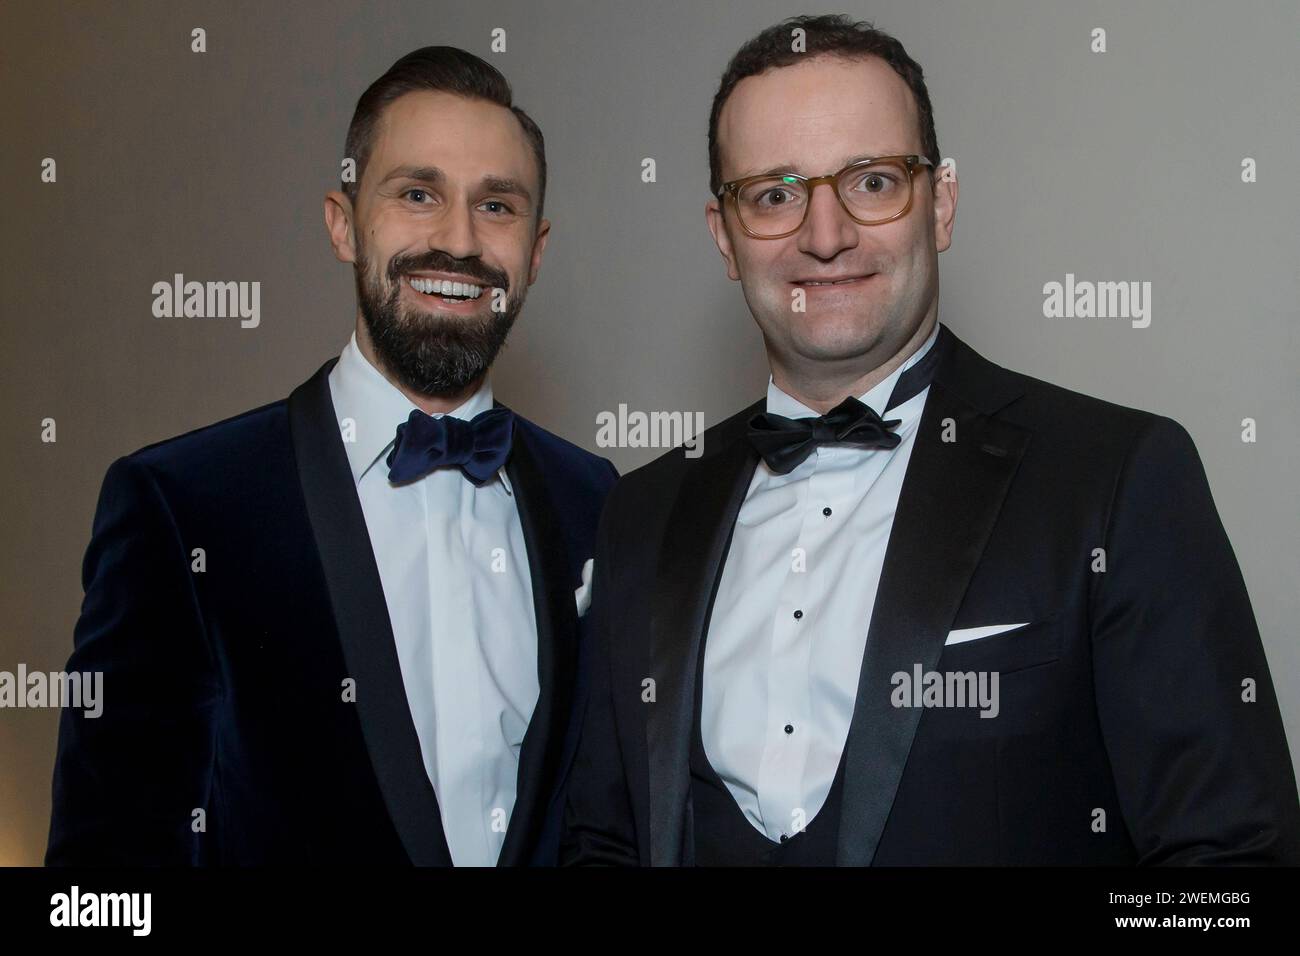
{"x":223,"y":689}
{"x":1122,"y":737}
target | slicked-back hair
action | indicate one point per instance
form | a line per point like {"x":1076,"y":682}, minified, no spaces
{"x":442,"y":69}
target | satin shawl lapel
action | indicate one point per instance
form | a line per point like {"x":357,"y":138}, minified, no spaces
{"x":361,"y":616}
{"x":698,"y":534}
{"x":557,"y":621}
{"x":951,"y":496}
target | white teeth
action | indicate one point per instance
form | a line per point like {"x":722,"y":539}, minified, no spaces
{"x":445,"y":287}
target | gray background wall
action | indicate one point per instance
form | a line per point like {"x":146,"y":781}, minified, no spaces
{"x":1115,"y":166}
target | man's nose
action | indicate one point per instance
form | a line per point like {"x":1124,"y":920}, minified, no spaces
{"x":827,"y":230}
{"x":456,"y":233}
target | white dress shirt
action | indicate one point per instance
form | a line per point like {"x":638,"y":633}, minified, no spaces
{"x":455,"y":574}
{"x":779,"y":690}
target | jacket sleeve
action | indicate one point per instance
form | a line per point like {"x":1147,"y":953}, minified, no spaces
{"x":599,"y":823}
{"x":127,"y":781}
{"x":1187,"y":707}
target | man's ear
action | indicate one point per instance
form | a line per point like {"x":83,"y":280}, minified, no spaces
{"x":718,"y":226}
{"x":539,"y":246}
{"x":338,"y":220}
{"x":945,"y":205}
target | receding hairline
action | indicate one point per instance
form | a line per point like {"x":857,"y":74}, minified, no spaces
{"x":845,"y":57}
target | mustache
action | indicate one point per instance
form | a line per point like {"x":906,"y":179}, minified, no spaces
{"x":436,"y":260}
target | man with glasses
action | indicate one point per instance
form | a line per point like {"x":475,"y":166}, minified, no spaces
{"x":910,"y":607}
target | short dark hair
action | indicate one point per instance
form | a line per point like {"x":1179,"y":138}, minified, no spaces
{"x":444,"y":69}
{"x":827,"y":35}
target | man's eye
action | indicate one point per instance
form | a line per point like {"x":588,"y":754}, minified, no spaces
{"x":497,"y":207}
{"x":416,"y":193}
{"x":876,"y":183}
{"x":777,"y":196}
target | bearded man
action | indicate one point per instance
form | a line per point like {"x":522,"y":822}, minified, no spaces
{"x":344,"y":627}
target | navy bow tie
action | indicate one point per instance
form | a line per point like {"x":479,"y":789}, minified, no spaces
{"x":478,"y":447}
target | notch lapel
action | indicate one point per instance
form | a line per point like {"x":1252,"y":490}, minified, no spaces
{"x":950,"y":499}
{"x":361,"y":616}
{"x":557,"y":652}
{"x":699,"y":533}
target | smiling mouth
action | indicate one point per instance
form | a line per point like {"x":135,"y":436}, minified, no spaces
{"x":828,"y":283}
{"x":447,"y":290}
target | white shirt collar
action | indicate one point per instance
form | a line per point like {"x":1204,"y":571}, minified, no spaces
{"x":376,"y":407}
{"x":780,"y":402}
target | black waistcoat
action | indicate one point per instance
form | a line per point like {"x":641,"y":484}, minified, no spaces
{"x":723,"y":837}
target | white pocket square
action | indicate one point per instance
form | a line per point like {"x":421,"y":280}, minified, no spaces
{"x":962,"y":635}
{"x":583,"y":594}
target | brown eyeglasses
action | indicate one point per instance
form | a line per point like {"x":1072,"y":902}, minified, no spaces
{"x":872,"y":191}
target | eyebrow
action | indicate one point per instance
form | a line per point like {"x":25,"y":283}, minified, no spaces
{"x":428,"y":174}
{"x":432,"y":174}
{"x":501,"y":184}
{"x":790,"y":167}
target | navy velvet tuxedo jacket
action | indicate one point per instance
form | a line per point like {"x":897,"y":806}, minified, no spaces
{"x":1124,"y":694}
{"x":223,"y":689}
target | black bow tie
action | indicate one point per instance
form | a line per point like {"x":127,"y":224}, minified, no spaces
{"x":785,"y":443}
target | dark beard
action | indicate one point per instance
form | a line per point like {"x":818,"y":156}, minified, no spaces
{"x":434,"y":355}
